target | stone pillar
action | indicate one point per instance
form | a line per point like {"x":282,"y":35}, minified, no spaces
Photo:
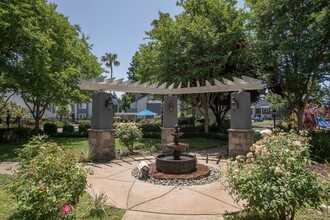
{"x":166,"y":138}
{"x":102,"y":144}
{"x":240,"y":134}
{"x":170,"y":120}
{"x":240,"y":141}
{"x":102,"y":135}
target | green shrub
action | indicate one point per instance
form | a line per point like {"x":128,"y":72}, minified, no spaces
{"x":192,"y":128}
{"x":84,"y":125}
{"x":60,"y":124}
{"x":15,"y":134}
{"x":7,"y":135}
{"x":216,"y":136}
{"x":149,"y":127}
{"x":274,"y":178}
{"x":188,"y":128}
{"x":128,"y":134}
{"x":48,"y":182}
{"x":320,"y":146}
{"x":225,"y":124}
{"x":46,"y":120}
{"x":68,"y":129}
{"x":23,"y":133}
{"x":188,"y":120}
{"x":151,"y":135}
{"x":213,"y":127}
{"x":50,"y":129}
{"x":154,"y":120}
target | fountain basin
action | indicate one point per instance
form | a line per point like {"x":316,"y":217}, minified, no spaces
{"x":165,"y":163}
{"x":177,"y":147}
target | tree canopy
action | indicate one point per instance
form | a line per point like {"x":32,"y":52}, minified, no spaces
{"x":292,"y":41}
{"x":205,"y":42}
{"x":43,"y":57}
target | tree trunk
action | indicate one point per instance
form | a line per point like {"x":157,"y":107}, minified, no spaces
{"x":37,"y":119}
{"x":207,"y":121}
{"x":300,"y":123}
{"x":219,"y":114}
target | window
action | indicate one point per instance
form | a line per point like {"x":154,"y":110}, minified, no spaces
{"x":81,"y":116}
{"x":82,"y":106}
{"x":266,"y":110}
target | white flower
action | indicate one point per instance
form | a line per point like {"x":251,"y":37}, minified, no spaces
{"x":278,"y":171}
{"x":296,"y":144}
{"x":240,"y":158}
{"x":266,"y":132}
{"x":253,"y":147}
{"x":265,"y":153}
{"x":249,"y":155}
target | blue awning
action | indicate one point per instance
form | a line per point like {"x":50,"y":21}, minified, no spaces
{"x":146,"y":112}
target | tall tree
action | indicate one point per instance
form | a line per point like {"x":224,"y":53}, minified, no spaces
{"x":110,"y":60}
{"x":63,"y":111}
{"x":205,"y":42}
{"x":292,"y":40}
{"x":132,"y":67}
{"x":125,"y":100}
{"x":43,"y":56}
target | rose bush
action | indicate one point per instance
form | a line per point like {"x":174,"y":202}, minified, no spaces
{"x":48,"y":182}
{"x":128,"y":134}
{"x":274,"y":178}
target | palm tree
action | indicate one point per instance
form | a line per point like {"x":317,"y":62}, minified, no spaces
{"x":110,"y":59}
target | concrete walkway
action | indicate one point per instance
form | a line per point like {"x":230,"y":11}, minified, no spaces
{"x":148,"y":201}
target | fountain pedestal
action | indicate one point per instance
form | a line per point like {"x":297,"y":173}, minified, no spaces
{"x":177,"y":149}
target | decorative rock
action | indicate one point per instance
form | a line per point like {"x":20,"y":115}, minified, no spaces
{"x":212,"y":177}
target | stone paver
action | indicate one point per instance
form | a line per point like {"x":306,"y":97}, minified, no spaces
{"x":7,"y":167}
{"x":134,"y":215}
{"x":145,"y":201}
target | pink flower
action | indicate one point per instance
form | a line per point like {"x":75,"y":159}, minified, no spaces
{"x":66,"y":209}
{"x":42,"y":187}
{"x":30,"y":173}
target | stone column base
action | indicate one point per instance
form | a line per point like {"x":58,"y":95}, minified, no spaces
{"x":102,"y":144}
{"x":166,"y":138}
{"x":239,"y":141}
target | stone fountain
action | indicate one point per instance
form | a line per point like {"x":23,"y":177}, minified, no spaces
{"x":176,"y":163}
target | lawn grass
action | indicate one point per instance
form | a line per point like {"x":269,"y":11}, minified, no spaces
{"x":8,"y":151}
{"x":80,"y":146}
{"x":8,"y":209}
{"x":6,"y":198}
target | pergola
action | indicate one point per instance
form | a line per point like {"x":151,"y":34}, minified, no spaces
{"x":102,"y":134}
{"x":237,"y":84}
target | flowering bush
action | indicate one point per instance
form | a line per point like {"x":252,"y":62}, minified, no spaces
{"x":48,"y":182}
{"x":128,"y":134}
{"x":274,"y":177}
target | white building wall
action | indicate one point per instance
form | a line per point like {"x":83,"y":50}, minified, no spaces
{"x":90,"y":108}
{"x":142,"y":103}
{"x":18,"y":100}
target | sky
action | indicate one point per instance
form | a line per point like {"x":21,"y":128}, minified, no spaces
{"x":116,"y":26}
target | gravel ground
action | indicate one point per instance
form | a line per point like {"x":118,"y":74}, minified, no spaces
{"x":214,"y":176}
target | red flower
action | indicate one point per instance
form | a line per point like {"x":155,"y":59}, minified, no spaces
{"x":66,"y":209}
{"x":30,"y":173}
{"x":42,"y":187}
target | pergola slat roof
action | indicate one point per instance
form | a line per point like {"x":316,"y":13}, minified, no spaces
{"x":237,"y":84}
